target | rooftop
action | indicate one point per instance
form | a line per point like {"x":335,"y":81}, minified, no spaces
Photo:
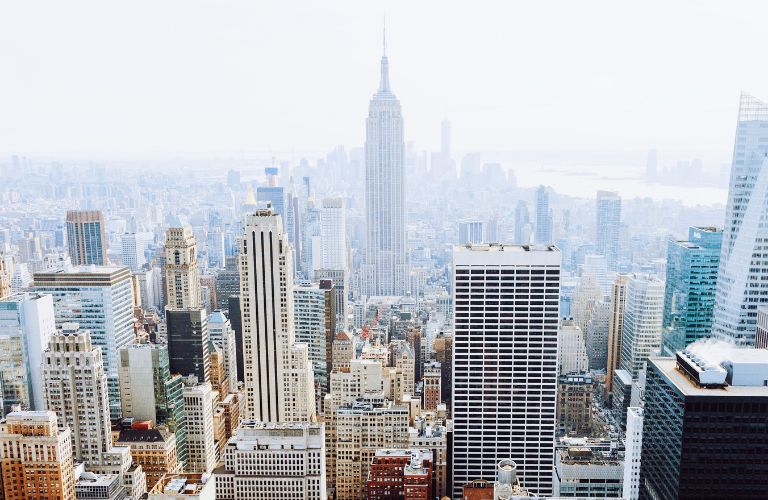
{"x":687,"y":387}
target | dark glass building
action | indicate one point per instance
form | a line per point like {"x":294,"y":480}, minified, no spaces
{"x":188,"y":343}
{"x":705,"y":434}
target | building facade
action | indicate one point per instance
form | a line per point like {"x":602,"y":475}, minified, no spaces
{"x":35,"y":458}
{"x":100,"y":300}
{"x":514,"y":296}
{"x":270,"y":460}
{"x":27,"y":322}
{"x":745,"y":236}
{"x":85,"y":237}
{"x":386,"y":268}
{"x":691,"y":284}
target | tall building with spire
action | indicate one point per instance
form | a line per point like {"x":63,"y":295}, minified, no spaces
{"x":386,"y":271}
{"x":743,"y":266}
{"x":181,"y":271}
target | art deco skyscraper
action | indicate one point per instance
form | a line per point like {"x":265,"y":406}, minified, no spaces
{"x":182,"y":277}
{"x":743,"y":265}
{"x":506,"y":310}
{"x":76,"y":389}
{"x":85,"y":237}
{"x":278,"y":374}
{"x":386,"y":271}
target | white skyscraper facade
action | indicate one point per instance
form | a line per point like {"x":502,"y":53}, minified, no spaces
{"x":506,"y":314}
{"x":744,"y":252}
{"x":643,"y":317}
{"x":278,"y":374}
{"x":100,"y":300}
{"x":386,"y":270}
{"x":333,"y":231}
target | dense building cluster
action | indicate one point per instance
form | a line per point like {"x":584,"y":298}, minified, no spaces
{"x":344,"y":335}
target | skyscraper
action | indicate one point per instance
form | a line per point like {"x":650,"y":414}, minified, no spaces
{"x":607,"y":227}
{"x":507,"y":336}
{"x":543,"y":217}
{"x":642,"y":322}
{"x":188,"y":342}
{"x":333,"y":233}
{"x":76,"y":389}
{"x":522,"y":224}
{"x":742,"y":272}
{"x":615,"y":329}
{"x":704,"y":424}
{"x":471,"y":231}
{"x":27,"y":322}
{"x":85,"y":237}
{"x":148,"y":391}
{"x":182,"y":276}
{"x":278,"y":374}
{"x":689,"y":297}
{"x":100,"y":300}
{"x":5,"y":278}
{"x":386,"y":260}
{"x":272,"y":194}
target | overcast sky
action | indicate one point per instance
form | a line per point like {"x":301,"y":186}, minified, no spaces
{"x":230,"y":76}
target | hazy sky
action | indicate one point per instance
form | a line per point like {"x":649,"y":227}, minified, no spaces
{"x":230,"y":76}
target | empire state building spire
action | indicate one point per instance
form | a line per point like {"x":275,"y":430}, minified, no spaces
{"x":386,"y":264}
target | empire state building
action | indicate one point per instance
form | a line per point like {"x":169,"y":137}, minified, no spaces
{"x":386,"y":269}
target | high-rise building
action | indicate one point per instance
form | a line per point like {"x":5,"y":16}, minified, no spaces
{"x":220,"y":332}
{"x":597,"y":335}
{"x":572,"y":350}
{"x":386,"y":254}
{"x":543,"y":218}
{"x":643,"y":315}
{"x":76,"y":389}
{"x":201,"y":442}
{"x":35,"y":458}
{"x":615,"y":329}
{"x":100,"y":300}
{"x":182,"y":276}
{"x":333,"y":233}
{"x":315,"y":319}
{"x":522,"y":224}
{"x":272,"y":195}
{"x":492,"y":279}
{"x":27,"y":322}
{"x":188,"y":342}
{"x":339,"y":280}
{"x":741,"y":273}
{"x":228,"y":282}
{"x":633,"y":444}
{"x":279,"y":382}
{"x":269,"y":460}
{"x":471,"y":231}
{"x":134,"y":246}
{"x":607,"y":227}
{"x":691,"y":284}
{"x":148,"y":391}
{"x":707,"y":403}
{"x":85,"y":237}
